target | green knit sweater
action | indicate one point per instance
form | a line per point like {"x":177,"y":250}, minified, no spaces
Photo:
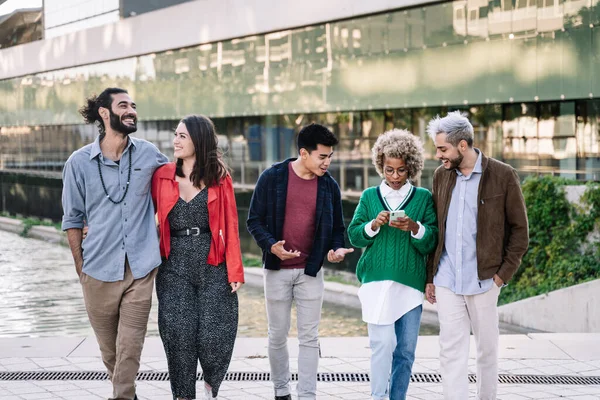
{"x":393,"y":254}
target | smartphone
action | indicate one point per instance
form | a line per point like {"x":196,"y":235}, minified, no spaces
{"x":396,"y":214}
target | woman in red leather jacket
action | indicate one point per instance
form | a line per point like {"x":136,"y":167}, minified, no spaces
{"x":202,"y":263}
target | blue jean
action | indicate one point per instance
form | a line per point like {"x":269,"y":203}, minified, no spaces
{"x":392,"y":355}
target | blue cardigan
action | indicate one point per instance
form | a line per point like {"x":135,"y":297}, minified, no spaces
{"x":267,"y":213}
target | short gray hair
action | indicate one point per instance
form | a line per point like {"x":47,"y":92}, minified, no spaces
{"x":455,"y":125}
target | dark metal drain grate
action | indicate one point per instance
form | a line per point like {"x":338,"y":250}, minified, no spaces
{"x":550,"y":379}
{"x":321,"y":377}
{"x":426,"y":378}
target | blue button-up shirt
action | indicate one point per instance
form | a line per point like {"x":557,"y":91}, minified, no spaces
{"x":115,"y":230}
{"x":458,"y":265}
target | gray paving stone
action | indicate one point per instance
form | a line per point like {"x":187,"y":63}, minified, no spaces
{"x":542,"y":354}
{"x":44,"y":395}
{"x":32,"y":347}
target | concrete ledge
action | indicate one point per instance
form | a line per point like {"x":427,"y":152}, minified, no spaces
{"x":572,"y":309}
{"x":338,"y":293}
{"x":335,"y":293}
{"x":47,"y":233}
{"x":254,"y":276}
{"x":11,"y":225}
{"x":41,"y":232}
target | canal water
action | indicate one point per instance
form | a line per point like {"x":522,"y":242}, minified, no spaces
{"x":40,"y":295}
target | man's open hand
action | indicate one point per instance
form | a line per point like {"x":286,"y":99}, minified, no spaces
{"x":338,"y":255}
{"x":282,"y":253}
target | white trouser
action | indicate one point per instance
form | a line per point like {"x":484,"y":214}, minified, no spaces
{"x":457,"y":314}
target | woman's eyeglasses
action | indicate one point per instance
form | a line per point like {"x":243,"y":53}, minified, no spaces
{"x":392,"y":171}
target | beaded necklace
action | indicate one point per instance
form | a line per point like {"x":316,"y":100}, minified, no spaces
{"x":104,"y":186}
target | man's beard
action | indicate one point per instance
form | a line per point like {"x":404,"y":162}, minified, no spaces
{"x":455,"y":162}
{"x":116,"y":123}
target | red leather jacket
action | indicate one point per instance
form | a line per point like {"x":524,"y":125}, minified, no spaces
{"x":222,"y":219}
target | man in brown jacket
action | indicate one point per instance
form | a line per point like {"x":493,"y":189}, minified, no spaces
{"x":483,"y":231}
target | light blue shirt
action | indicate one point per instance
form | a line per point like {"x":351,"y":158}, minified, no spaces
{"x":458,"y":265}
{"x":115,"y":230}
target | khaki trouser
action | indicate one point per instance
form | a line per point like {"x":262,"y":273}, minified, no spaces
{"x":118,"y":312}
{"x":458,"y":315}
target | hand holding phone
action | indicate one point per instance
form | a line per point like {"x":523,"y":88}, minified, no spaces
{"x":381,"y":219}
{"x":399,"y":220}
{"x":394,"y":215}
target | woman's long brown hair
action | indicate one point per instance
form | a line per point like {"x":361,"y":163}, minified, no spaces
{"x":209,"y":166}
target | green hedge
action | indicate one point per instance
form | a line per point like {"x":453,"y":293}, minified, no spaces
{"x":560,"y":251}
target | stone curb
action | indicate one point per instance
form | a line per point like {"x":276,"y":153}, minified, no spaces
{"x":41,"y":232}
{"x":336,"y":293}
{"x":48,"y":234}
{"x":11,"y":225}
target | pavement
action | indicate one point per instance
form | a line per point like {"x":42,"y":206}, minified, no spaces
{"x":545,"y":354}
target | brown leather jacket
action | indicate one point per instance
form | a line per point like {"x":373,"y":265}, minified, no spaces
{"x":502,"y":229}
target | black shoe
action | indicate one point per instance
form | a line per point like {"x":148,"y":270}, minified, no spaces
{"x":286,"y":397}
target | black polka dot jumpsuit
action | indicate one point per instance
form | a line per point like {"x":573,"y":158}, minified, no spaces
{"x":197,"y":313}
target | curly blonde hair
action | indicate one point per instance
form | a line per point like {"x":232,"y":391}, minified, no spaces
{"x":399,"y":143}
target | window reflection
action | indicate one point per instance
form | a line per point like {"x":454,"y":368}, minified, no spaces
{"x":560,"y":138}
{"x":520,"y":135}
{"x":588,"y":140}
{"x":131,"y":8}
{"x":359,"y":77}
{"x":386,"y":61}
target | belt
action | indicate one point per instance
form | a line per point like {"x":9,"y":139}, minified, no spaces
{"x":194,"y":231}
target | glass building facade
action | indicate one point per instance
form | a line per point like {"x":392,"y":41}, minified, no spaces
{"x":19,"y":26}
{"x":524,"y":71}
{"x":131,"y":8}
{"x":51,"y":18}
{"x":65,"y":16}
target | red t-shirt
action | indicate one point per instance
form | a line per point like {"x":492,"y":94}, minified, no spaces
{"x":299,"y":222}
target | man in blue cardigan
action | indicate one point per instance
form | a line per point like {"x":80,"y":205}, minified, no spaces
{"x":296,"y":218}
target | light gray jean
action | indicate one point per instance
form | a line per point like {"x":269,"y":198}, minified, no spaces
{"x":281,"y":288}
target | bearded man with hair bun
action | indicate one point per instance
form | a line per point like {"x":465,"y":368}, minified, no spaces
{"x":106,"y":185}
